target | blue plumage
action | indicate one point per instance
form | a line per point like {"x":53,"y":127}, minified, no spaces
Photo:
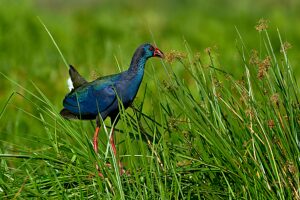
{"x":100,"y":96}
{"x":93,"y":98}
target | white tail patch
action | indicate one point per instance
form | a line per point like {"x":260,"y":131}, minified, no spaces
{"x":70,"y":84}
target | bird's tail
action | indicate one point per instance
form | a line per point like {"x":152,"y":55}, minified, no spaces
{"x":76,"y":80}
{"x":67,"y":114}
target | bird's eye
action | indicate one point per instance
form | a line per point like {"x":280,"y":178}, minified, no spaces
{"x":151,"y":48}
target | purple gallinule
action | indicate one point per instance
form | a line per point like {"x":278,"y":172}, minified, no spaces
{"x":99,"y":98}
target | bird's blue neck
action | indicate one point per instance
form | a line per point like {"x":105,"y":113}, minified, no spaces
{"x":137,"y":65}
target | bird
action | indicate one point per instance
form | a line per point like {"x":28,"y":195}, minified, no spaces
{"x":99,"y":99}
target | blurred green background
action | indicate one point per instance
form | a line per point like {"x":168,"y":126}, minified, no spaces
{"x":96,"y":36}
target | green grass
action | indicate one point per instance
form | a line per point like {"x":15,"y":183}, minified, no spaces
{"x":221,"y":138}
{"x":198,"y":129}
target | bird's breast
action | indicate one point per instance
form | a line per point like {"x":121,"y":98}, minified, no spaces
{"x":128,"y":89}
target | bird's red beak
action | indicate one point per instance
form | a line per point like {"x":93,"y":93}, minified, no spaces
{"x":158,"y":53}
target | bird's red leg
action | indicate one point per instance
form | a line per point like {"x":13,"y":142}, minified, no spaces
{"x":95,"y":139}
{"x":95,"y":145}
{"x":112,"y":143}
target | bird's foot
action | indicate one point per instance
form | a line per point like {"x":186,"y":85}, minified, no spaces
{"x":99,"y":173}
{"x":121,"y":168}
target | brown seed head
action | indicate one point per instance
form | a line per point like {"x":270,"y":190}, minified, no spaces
{"x":262,"y":24}
{"x":275,"y":99}
{"x":285,"y":46}
{"x":263,"y":67}
{"x":175,"y":55}
{"x":254,"y":59}
{"x":291,"y":167}
{"x":271,"y":123}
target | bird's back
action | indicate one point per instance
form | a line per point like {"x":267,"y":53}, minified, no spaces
{"x":86,"y":101}
{"x":101,"y":96}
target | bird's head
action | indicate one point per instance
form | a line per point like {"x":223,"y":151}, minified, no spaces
{"x":151,"y":51}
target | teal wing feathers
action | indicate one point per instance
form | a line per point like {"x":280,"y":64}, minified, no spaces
{"x":92,"y":98}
